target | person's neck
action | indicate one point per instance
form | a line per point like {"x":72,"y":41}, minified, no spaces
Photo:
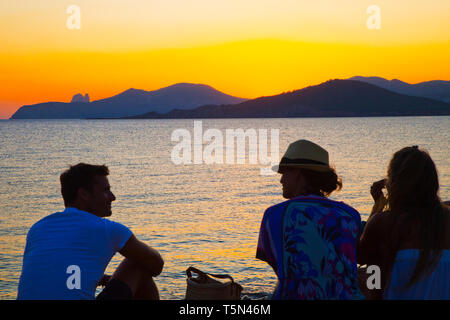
{"x":81,"y":207}
{"x":308,"y":194}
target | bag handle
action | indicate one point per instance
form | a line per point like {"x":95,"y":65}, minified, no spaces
{"x":204,"y":274}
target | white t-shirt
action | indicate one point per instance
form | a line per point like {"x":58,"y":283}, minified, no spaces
{"x":67,"y":253}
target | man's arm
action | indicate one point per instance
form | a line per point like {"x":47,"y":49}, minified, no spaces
{"x":145,"y":256}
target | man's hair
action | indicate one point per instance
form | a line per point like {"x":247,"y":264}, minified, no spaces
{"x":79,"y":176}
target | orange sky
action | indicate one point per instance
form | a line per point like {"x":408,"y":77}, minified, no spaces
{"x":246,"y":48}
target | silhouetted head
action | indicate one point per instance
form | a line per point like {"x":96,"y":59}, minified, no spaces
{"x":305,"y":170}
{"x":412,"y":187}
{"x":86,"y":187}
{"x":298,"y":182}
{"x":412,"y":180}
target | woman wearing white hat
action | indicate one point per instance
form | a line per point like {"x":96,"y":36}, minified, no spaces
{"x":310,"y":240}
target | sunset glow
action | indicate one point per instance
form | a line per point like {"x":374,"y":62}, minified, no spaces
{"x":244,"y":48}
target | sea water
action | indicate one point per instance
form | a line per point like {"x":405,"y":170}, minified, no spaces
{"x":202,"y":215}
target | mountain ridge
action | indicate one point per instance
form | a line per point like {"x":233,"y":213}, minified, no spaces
{"x":130,"y":102}
{"x":434,"y":89}
{"x":333,"y":98}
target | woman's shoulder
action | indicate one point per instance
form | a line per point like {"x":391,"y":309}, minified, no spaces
{"x":384,"y":217}
{"x":379,"y":224}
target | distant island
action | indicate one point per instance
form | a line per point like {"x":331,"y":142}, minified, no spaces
{"x":130,"y":102}
{"x":355,"y":97}
{"x":334,"y":98}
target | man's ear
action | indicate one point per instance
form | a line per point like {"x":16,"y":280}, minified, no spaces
{"x":83,"y":194}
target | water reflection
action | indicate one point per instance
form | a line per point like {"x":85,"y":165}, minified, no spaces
{"x":207,"y":216}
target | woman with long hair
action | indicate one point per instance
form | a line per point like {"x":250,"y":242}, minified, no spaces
{"x":410,"y":239}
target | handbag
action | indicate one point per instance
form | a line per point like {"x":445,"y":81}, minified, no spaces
{"x":204,"y":287}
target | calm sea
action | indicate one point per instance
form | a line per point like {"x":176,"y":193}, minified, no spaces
{"x":204,"y":215}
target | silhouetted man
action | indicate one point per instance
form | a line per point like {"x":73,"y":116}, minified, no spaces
{"x":67,"y":252}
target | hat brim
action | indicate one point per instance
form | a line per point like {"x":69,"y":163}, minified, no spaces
{"x":314,"y":167}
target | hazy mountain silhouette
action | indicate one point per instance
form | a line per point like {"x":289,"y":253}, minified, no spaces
{"x":334,"y":98}
{"x":80,"y":98}
{"x":436,"y":89}
{"x":130,"y":102}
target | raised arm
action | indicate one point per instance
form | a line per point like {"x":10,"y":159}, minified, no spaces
{"x":380,"y":201}
{"x":145,"y":256}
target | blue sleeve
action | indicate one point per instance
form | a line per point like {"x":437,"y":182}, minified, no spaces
{"x":263,"y":251}
{"x":118,"y":234}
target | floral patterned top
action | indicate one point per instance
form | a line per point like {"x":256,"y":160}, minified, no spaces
{"x":310,"y":242}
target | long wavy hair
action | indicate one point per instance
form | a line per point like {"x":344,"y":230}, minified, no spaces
{"x":412,"y":189}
